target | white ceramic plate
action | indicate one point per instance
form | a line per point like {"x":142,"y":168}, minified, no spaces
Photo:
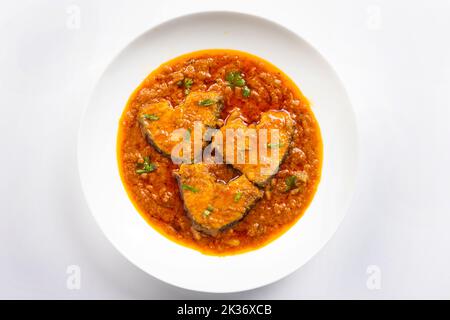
{"x":138,"y":241}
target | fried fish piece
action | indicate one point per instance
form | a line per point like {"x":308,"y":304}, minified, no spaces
{"x":257,"y":166}
{"x":214,"y":205}
{"x":158,"y":121}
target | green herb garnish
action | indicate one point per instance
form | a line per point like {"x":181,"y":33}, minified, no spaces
{"x":290,"y":182}
{"x":246,"y":92}
{"x":206,"y":102}
{"x":239,"y":82}
{"x":231,"y":75}
{"x":145,"y":167}
{"x":187,"y":84}
{"x":237,"y":196}
{"x":208,"y":210}
{"x":152,"y":117}
{"x":206,"y":213}
{"x":190,"y":188}
{"x":235,"y":79}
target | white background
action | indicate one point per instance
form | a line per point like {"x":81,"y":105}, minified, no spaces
{"x":394,"y":58}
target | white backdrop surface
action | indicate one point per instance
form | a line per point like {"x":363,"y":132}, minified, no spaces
{"x":394,"y":58}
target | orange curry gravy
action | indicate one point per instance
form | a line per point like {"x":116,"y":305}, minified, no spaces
{"x":156,"y":194}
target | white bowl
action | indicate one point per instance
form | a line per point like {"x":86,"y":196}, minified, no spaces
{"x":131,"y":234}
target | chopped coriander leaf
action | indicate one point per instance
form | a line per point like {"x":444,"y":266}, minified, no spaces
{"x":230,"y":76}
{"x":145,"y":167}
{"x":208,"y":211}
{"x":188,"y":82}
{"x":237,"y":196}
{"x":239,"y":82}
{"x":246,"y":92}
{"x":190,"y":188}
{"x":151,"y":117}
{"x":235,"y":79}
{"x":141,"y":171}
{"x":206,"y":102}
{"x":275,"y":145}
{"x":290,"y":182}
